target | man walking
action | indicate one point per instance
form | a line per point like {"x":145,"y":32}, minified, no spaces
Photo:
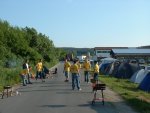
{"x":66,"y":70}
{"x":87,"y":67}
{"x":75,"y":75}
{"x":39,"y":68}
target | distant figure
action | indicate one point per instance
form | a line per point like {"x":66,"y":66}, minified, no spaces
{"x":23,"y":76}
{"x":55,"y":72}
{"x":45,"y":71}
{"x":87,"y":67}
{"x":39,"y":68}
{"x":25,"y":66}
{"x":66,"y":70}
{"x":96,"y":71}
{"x":75,"y":75}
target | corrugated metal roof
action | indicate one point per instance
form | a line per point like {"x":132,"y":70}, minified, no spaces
{"x":109,"y":48}
{"x":131,"y":51}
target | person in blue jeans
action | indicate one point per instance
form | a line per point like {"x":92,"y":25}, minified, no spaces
{"x":26,"y":66}
{"x":87,"y":68}
{"x":23,"y":76}
{"x":75,"y":75}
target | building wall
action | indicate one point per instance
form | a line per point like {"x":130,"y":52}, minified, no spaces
{"x":102,"y":53}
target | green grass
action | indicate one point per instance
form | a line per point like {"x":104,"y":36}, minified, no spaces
{"x":9,"y":76}
{"x":137,"y":99}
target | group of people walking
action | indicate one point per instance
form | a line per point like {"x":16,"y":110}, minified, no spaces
{"x":75,"y":72}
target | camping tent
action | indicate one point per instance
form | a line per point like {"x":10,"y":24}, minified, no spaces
{"x":106,"y":65}
{"x":114,"y":68}
{"x":138,"y":76}
{"x":145,"y":84}
{"x":124,"y":70}
{"x":108,"y":60}
{"x":103,"y":67}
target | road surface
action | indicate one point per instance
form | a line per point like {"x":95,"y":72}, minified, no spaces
{"x":57,"y":96}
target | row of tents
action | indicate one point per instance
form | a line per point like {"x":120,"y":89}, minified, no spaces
{"x":133,"y":71}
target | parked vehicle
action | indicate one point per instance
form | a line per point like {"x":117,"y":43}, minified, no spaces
{"x":141,"y":61}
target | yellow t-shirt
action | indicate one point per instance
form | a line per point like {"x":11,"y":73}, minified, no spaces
{"x":87,"y":66}
{"x":67,"y":66}
{"x":96,"y":68}
{"x":39,"y":66}
{"x":24,"y":72}
{"x":74,"y":68}
{"x":79,"y":65}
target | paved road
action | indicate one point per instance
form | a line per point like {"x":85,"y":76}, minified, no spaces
{"x":57,"y":96}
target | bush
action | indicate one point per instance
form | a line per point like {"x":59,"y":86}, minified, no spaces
{"x":9,"y":76}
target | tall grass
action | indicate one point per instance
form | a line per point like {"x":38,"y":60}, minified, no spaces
{"x":9,"y":76}
{"x":137,"y":99}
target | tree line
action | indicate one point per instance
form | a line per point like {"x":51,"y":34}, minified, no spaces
{"x":18,"y":44}
{"x":25,"y":43}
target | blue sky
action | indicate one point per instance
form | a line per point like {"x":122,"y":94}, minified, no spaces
{"x":83,"y":23}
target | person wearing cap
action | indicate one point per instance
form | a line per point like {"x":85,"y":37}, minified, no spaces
{"x":87,"y":68}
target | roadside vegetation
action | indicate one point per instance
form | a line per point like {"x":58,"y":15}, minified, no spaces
{"x":18,"y":44}
{"x":136,"y":98}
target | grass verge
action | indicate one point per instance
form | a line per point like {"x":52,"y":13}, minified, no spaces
{"x":137,"y":99}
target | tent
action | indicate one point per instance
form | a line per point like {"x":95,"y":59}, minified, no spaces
{"x":106,"y":72}
{"x":135,"y":67}
{"x":138,"y":76}
{"x":114,"y":68}
{"x":103,"y":67}
{"x":106,"y":65}
{"x":108,"y":60}
{"x":124,"y":70}
{"x":145,"y":84}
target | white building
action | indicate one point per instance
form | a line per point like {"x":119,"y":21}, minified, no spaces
{"x":104,"y":52}
{"x":81,"y":58}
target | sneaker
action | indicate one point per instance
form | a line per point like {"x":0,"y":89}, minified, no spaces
{"x":80,"y":89}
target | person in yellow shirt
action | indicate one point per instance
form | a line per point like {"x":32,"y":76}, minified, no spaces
{"x":78,"y":63}
{"x":66,"y":70}
{"x":23,"y":76}
{"x":75,"y":75}
{"x":96,"y":71}
{"x":79,"y":66}
{"x":87,"y":68}
{"x":26,"y":66}
{"x":39,"y":68}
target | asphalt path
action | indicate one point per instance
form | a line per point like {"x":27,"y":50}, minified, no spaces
{"x":56,"y":96}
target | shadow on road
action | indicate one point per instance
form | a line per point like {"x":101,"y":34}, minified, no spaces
{"x":54,"y":106}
